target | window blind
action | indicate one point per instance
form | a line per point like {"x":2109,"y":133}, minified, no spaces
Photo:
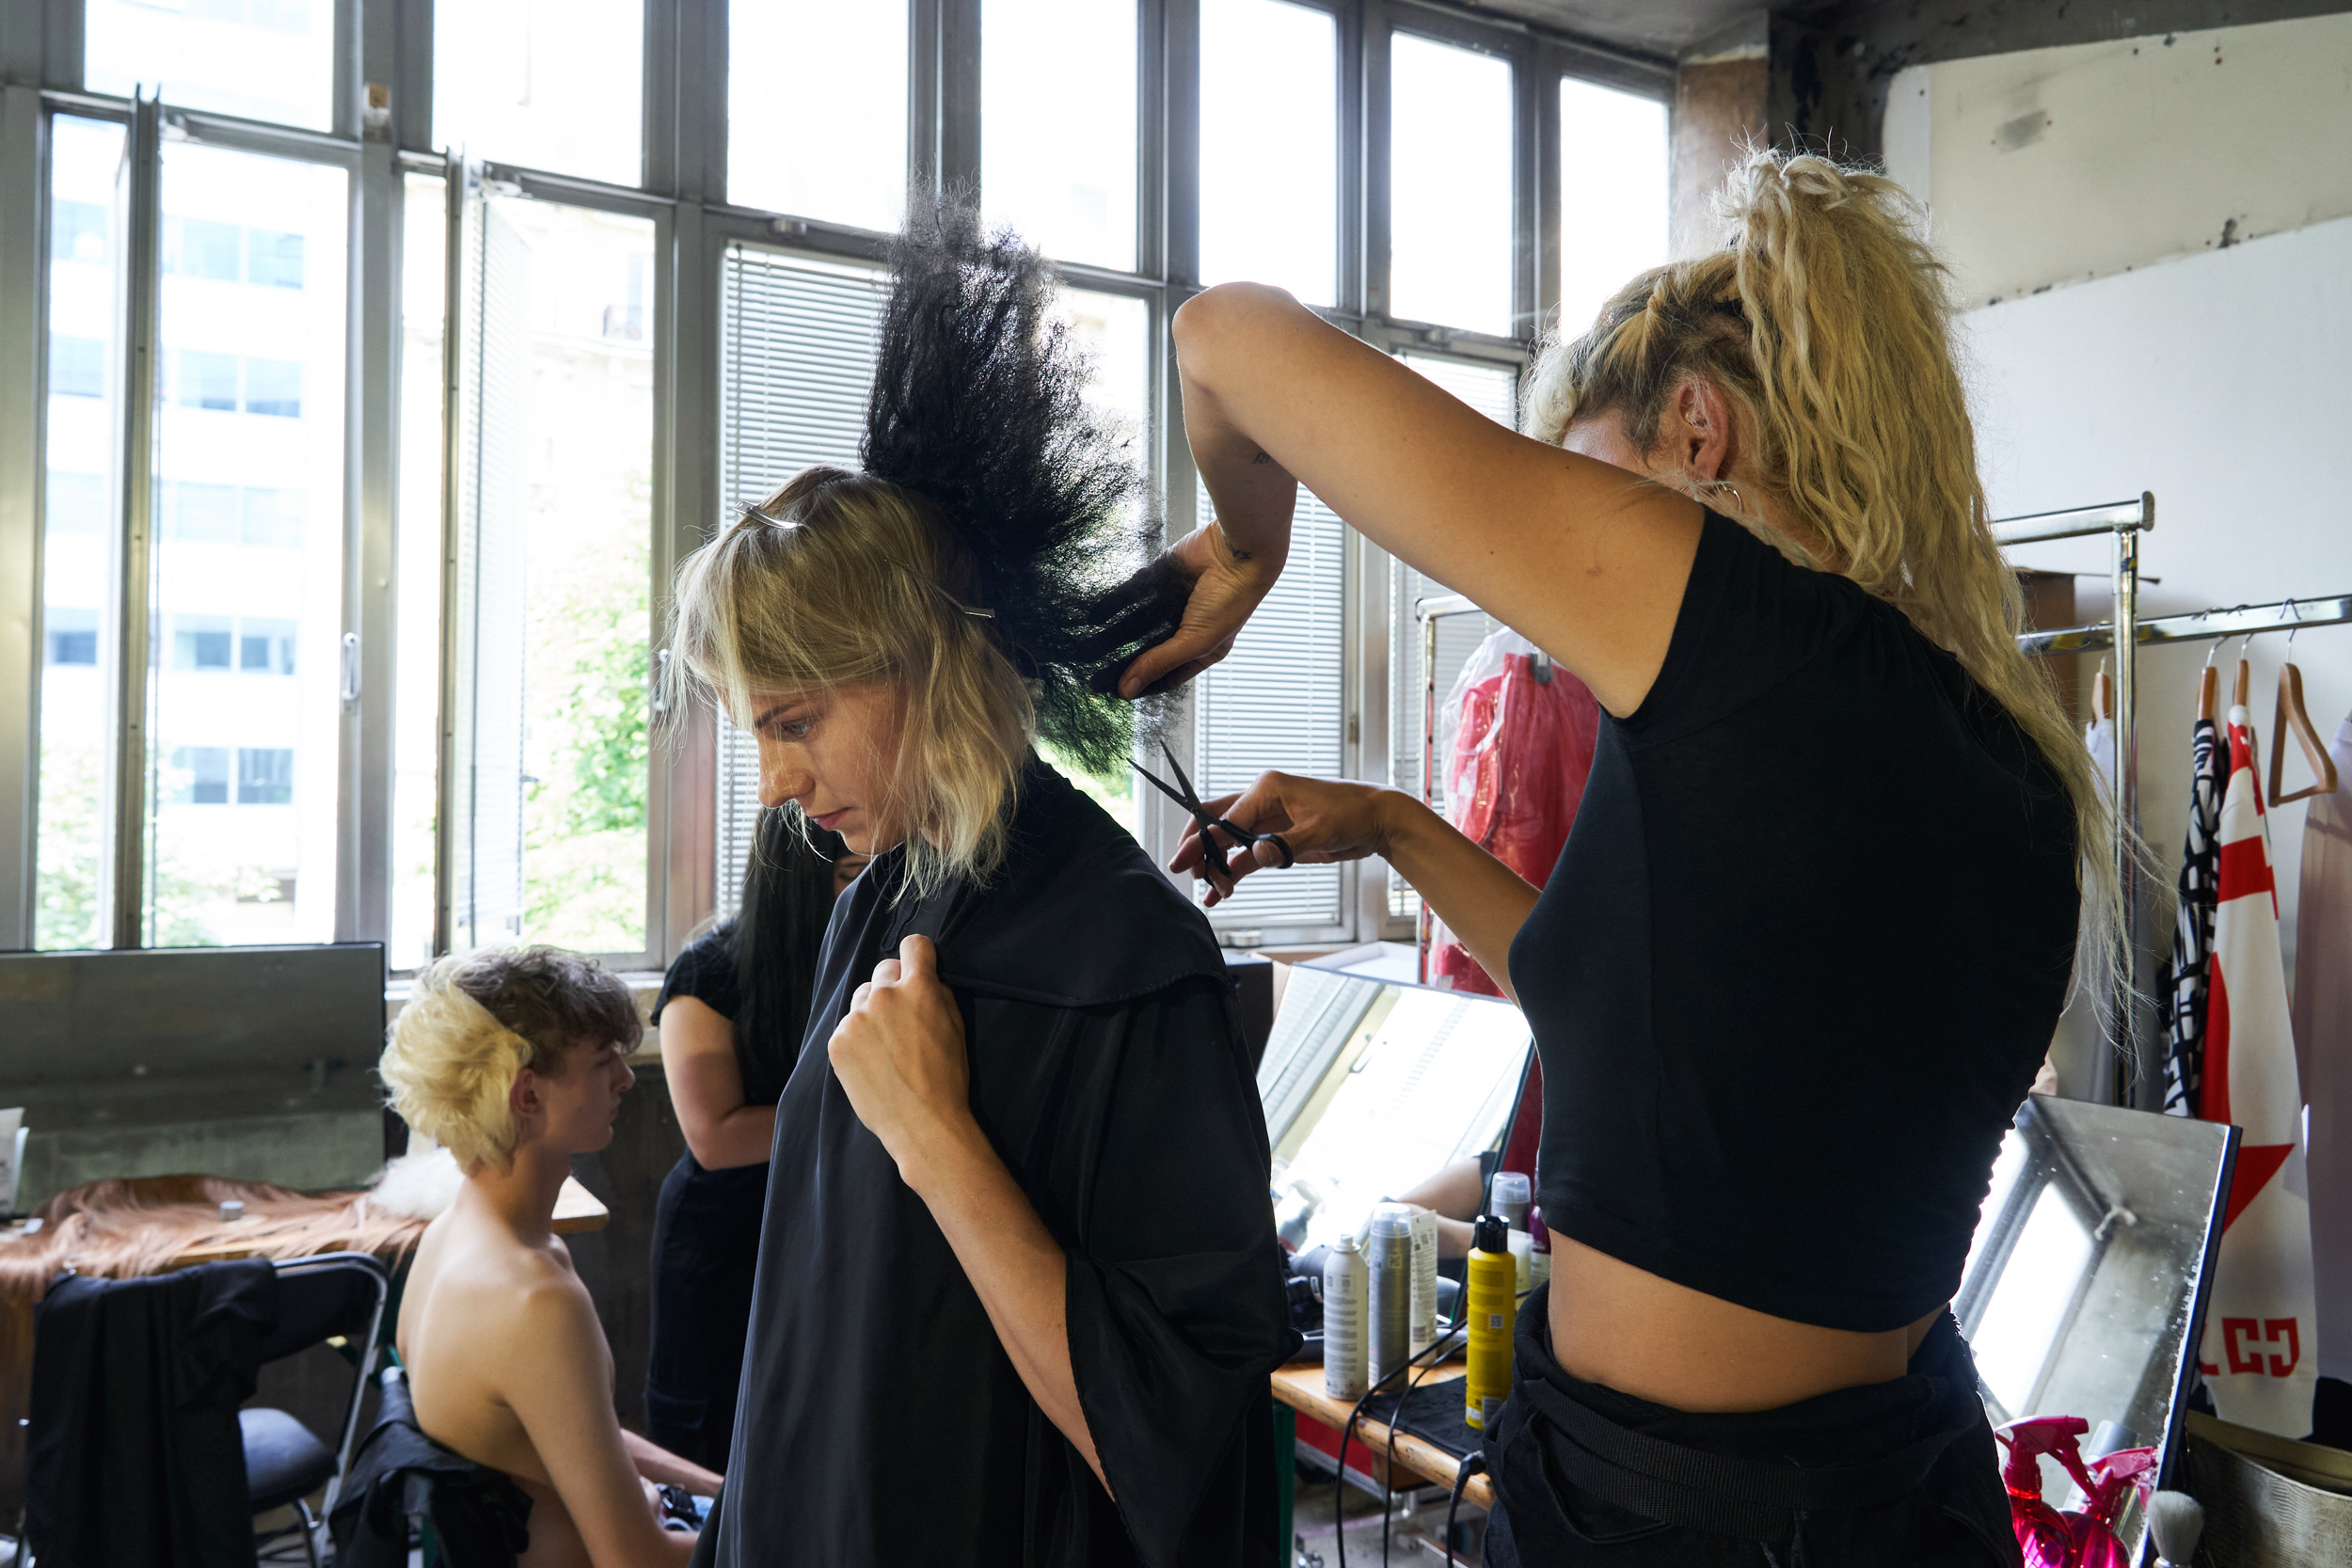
{"x":1492,"y":390}
{"x":796,"y":362}
{"x":1279,"y":701}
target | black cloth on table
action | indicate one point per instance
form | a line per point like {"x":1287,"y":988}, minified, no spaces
{"x":706,"y":1242}
{"x":881,"y":1420}
{"x":480,"y":1516}
{"x":132,"y":1450}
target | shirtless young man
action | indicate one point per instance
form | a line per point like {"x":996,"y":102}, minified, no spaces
{"x":512,"y":1059}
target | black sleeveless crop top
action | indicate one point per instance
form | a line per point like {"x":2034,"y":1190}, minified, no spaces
{"x":1802,"y":956}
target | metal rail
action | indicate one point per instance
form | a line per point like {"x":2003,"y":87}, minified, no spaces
{"x":2202,"y":626}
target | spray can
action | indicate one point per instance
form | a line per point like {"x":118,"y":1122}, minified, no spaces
{"x":1423,"y":1330}
{"x":1493,"y":1310}
{"x":1344,"y":1288}
{"x":1390,"y":1260}
{"x":1539,"y":1240}
{"x":1509,"y":1199}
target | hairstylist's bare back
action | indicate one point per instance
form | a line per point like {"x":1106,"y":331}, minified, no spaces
{"x":508,"y":1367}
{"x":1583,"y":557}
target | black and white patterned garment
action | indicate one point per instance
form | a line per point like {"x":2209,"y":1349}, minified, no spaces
{"x":2192,"y":928}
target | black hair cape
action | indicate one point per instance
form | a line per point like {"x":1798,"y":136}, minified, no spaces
{"x":880,"y":1422}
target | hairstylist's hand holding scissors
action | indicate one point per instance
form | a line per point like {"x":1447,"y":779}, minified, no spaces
{"x":1321,"y":819}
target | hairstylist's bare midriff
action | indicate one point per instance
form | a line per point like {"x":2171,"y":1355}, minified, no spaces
{"x":1630,"y":1330}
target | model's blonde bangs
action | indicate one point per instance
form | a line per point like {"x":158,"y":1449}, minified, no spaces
{"x":841,"y":579}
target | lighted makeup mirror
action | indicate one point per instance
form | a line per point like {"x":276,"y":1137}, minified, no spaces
{"x":1371,"y":1086}
{"x":2085,"y":1288}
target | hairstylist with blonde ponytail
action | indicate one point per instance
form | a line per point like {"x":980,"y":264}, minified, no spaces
{"x":1809,"y":939}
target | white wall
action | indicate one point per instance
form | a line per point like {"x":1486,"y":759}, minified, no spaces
{"x":2216,"y":381}
{"x":2056,"y":166}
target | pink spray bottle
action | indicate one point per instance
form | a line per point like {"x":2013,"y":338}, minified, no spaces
{"x":2078,"y":1538}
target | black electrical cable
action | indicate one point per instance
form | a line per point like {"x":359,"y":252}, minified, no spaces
{"x":1474,"y":1464}
{"x":1339,"y":1477}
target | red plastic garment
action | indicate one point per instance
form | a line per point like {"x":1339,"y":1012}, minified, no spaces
{"x":2079,"y":1537}
{"x":1521,"y":754}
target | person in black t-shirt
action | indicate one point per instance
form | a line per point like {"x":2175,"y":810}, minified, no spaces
{"x":1809,"y":938}
{"x":731,"y":1015}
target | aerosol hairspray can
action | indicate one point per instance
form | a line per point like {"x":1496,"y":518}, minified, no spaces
{"x":1424,"y":1328}
{"x":1391,"y":1261}
{"x":1512,"y":1192}
{"x":1493,"y":1309}
{"x":1344,"y":1288}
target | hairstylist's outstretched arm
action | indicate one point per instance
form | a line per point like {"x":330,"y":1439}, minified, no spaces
{"x":1483,"y":900}
{"x":1581,"y":557}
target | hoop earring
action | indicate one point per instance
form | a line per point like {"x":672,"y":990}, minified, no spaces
{"x":1736,"y":498}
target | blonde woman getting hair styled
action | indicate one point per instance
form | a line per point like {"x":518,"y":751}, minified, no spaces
{"x":1017,"y":1189}
{"x":1808,"y":941}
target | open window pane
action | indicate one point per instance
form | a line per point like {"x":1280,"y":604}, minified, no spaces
{"x":263,"y":59}
{"x":81,"y":525}
{"x":247,"y":574}
{"x":1612,"y":194}
{"x":1269,"y":147}
{"x":816,"y":109}
{"x":416,"y":554}
{"x":1058,"y":125}
{"x":555,"y":460}
{"x":1448,"y":186}
{"x":554,"y":84}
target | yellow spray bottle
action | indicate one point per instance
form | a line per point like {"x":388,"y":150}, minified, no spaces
{"x":1494,"y":1280}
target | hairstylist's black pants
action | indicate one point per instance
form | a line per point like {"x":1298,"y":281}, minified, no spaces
{"x":1893,"y":1473}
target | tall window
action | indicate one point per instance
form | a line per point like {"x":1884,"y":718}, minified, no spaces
{"x":246,"y":564}
{"x":1269,"y":147}
{"x":1449,"y":218}
{"x":816,"y":109}
{"x":400,"y":588}
{"x":1058,"y":125}
{"x":72,"y":858}
{"x":549,"y":771}
{"x":1612,"y":194}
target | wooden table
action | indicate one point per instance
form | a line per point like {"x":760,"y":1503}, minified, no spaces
{"x":575,"y":1210}
{"x":1418,"y":1459}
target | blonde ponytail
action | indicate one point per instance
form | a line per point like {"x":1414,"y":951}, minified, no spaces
{"x":1827,"y":322}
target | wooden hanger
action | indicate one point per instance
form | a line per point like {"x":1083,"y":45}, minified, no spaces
{"x":2245,"y":673}
{"x":2102,"y":695}
{"x":2208,"y":685}
{"x":2291,"y":715}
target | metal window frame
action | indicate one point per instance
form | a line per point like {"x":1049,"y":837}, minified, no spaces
{"x":682,"y":186}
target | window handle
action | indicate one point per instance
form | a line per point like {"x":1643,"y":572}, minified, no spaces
{"x":351,"y":667}
{"x":660,"y":696}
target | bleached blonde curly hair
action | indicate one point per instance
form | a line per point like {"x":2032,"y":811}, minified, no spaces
{"x":476,"y":1020}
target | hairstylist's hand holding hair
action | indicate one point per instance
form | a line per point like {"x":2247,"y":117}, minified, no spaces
{"x":902,"y":1059}
{"x":1323,"y":821}
{"x":1228,"y":584}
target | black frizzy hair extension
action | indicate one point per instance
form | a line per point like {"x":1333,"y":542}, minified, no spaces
{"x":979,"y":406}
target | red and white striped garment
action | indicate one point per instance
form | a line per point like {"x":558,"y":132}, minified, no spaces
{"x":2261,"y":1352}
